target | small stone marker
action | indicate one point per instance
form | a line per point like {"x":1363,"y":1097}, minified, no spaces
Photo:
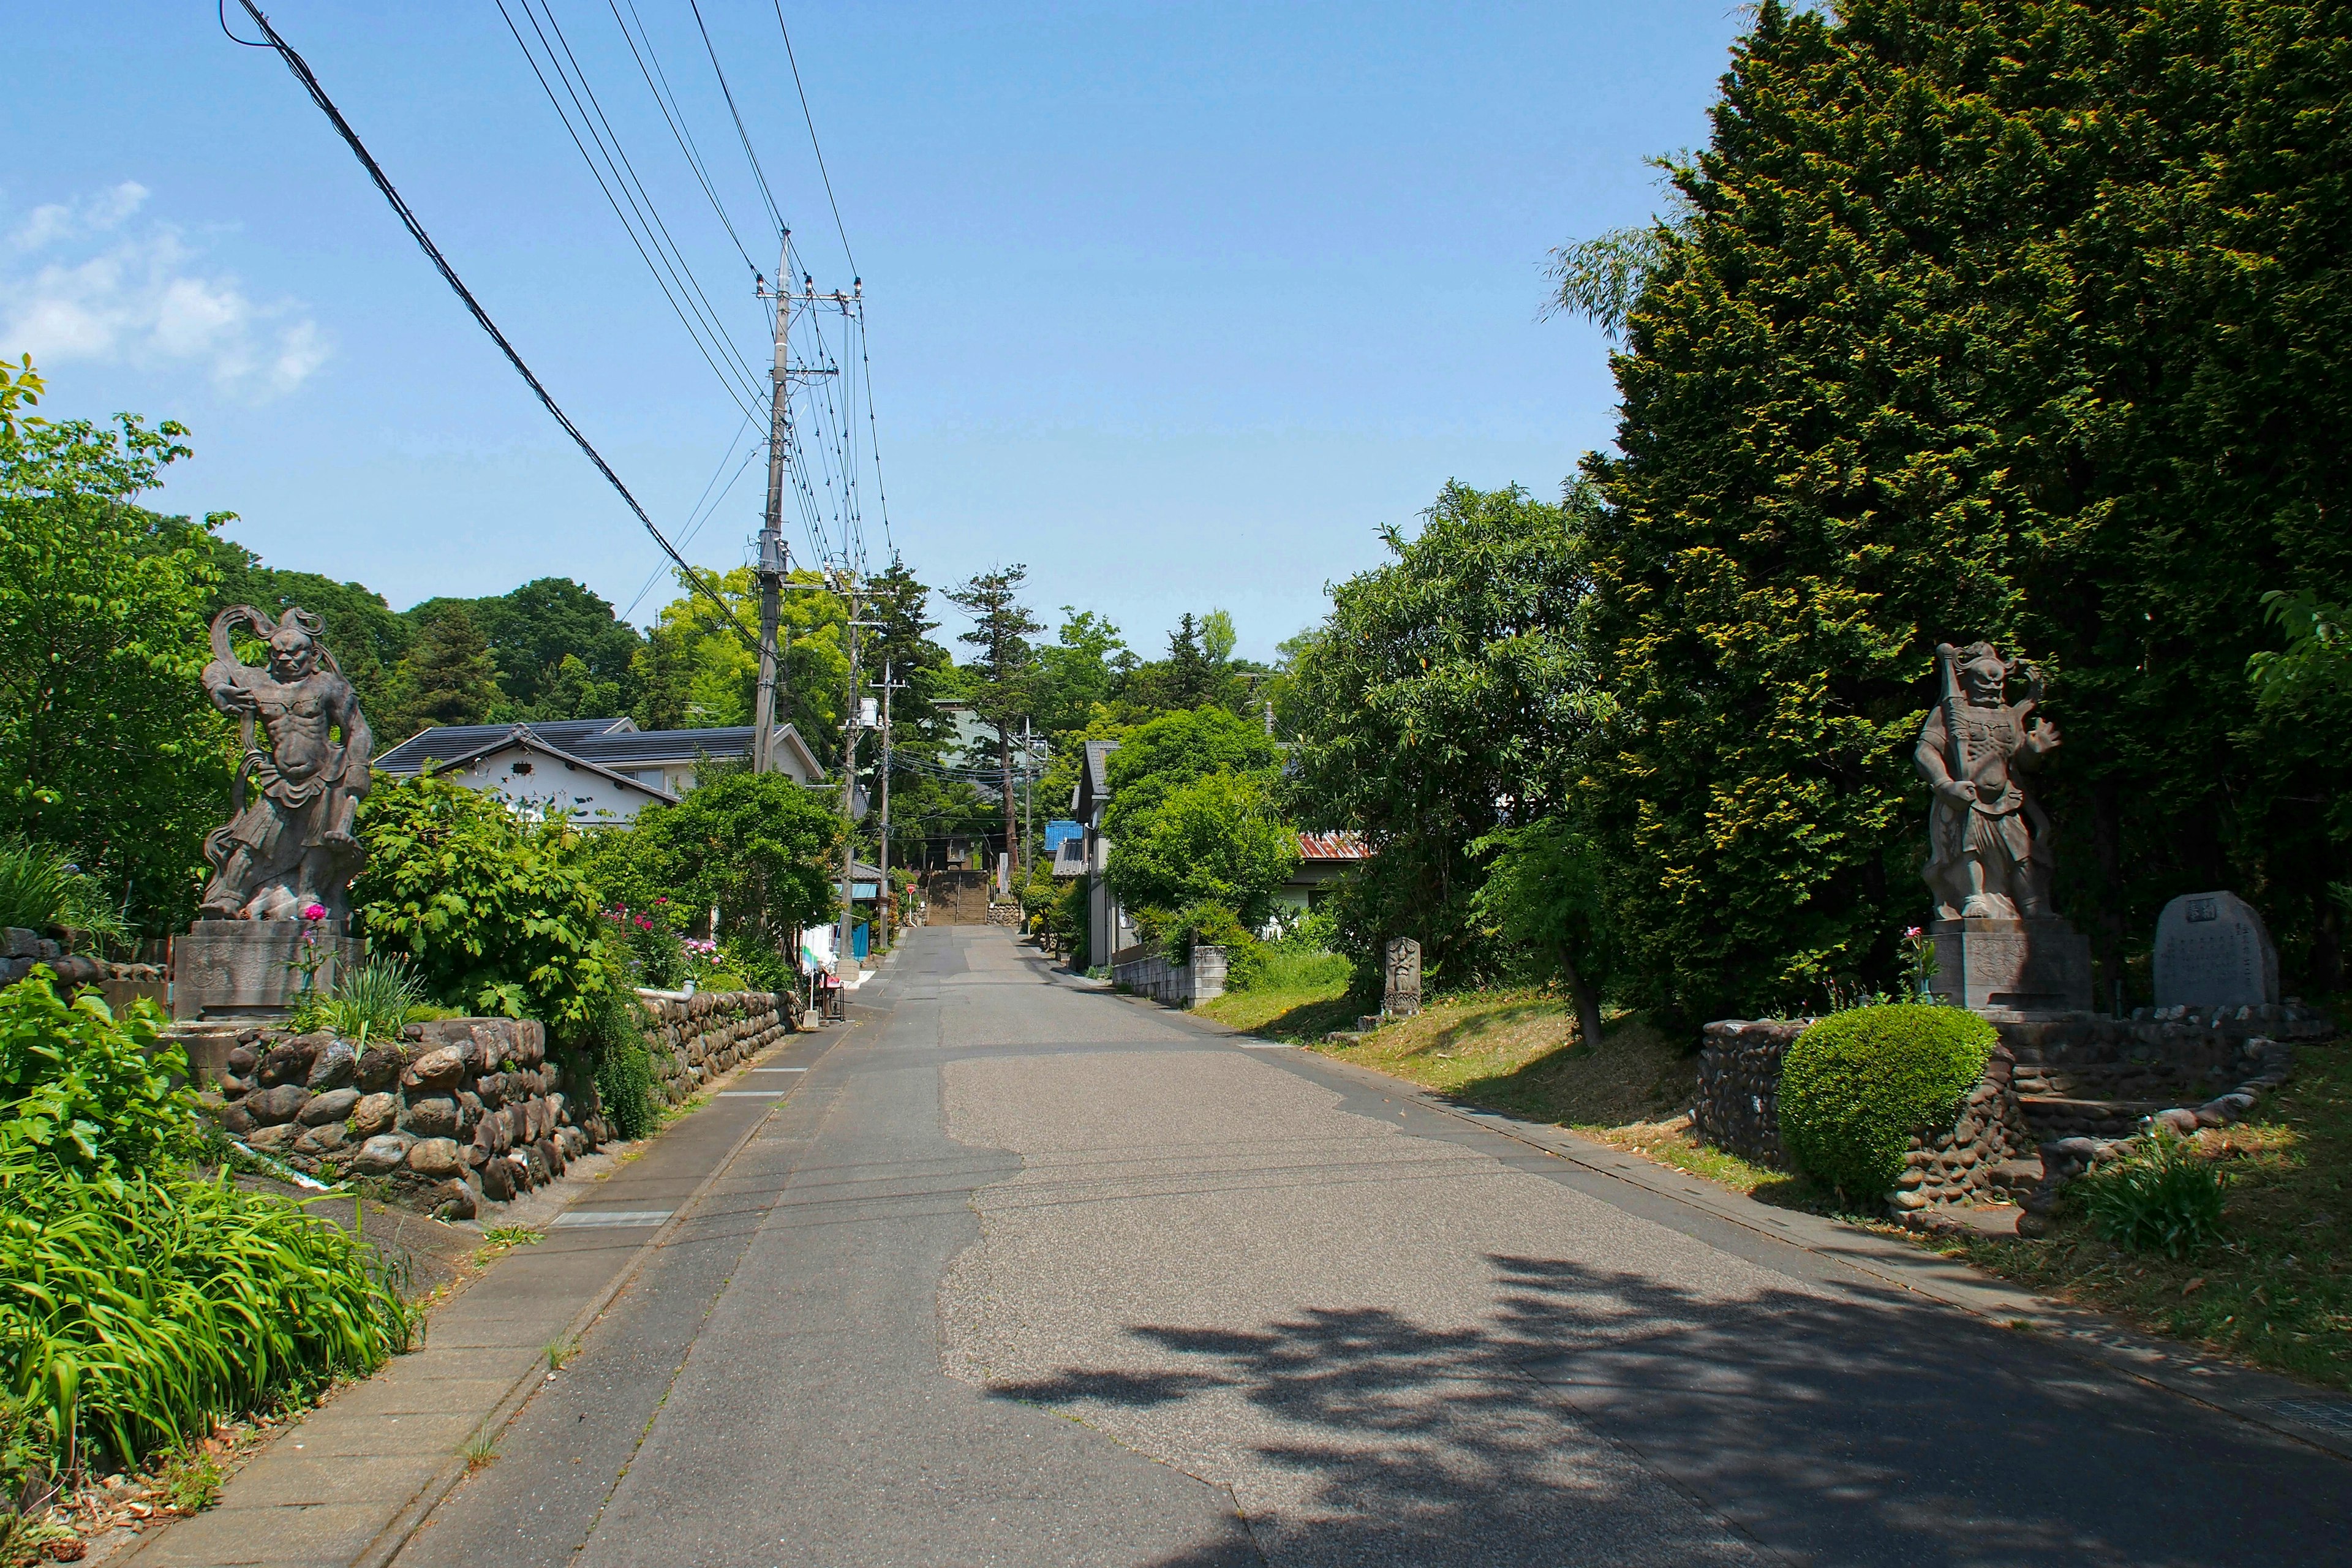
{"x":1401,"y":988}
{"x":2213,"y":951}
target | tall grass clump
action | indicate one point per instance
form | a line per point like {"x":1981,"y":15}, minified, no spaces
{"x":374,"y":1000}
{"x":41,"y":890}
{"x":137,"y":1309}
{"x":2162,"y":1198}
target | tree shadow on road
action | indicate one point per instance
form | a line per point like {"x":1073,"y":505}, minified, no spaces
{"x":1599,"y":1415}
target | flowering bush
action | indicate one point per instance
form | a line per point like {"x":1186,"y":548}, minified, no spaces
{"x":657,"y":959}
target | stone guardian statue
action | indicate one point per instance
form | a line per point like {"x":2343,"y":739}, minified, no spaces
{"x":1988,"y":839}
{"x":2001,"y":947}
{"x":290,"y":847}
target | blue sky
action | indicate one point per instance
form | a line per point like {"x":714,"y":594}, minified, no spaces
{"x":1176,"y":304}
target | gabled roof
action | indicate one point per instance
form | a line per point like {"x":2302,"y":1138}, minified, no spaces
{"x":519,"y":737}
{"x":600,"y":742}
{"x":448,"y":741}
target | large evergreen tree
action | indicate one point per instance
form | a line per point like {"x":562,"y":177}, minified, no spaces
{"x":1002,"y":675}
{"x":2019,"y":320}
{"x":448,"y":678}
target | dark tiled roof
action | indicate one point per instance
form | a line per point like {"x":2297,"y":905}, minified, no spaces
{"x":439,"y":745}
{"x":625,"y":751}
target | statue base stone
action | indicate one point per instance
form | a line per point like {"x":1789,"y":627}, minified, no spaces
{"x":2011,"y":967}
{"x":245,"y":969}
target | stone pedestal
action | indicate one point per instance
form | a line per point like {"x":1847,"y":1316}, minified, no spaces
{"x":245,"y":968}
{"x":2012,"y":966}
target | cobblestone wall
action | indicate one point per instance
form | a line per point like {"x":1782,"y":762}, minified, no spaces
{"x":697,"y":1038}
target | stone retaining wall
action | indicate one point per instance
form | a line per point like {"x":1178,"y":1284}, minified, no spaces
{"x":457,"y":1113}
{"x":1738,"y":1109}
{"x":697,"y":1038}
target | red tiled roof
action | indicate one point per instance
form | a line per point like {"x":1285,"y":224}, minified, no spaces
{"x":1333,"y":847}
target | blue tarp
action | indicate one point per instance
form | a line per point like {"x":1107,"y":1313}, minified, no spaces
{"x":1059,"y":830}
{"x":859,"y":941}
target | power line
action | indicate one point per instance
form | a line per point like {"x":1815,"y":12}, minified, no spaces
{"x":775,"y":214}
{"x":303,"y":74}
{"x":838,"y":227}
{"x":666,"y":99}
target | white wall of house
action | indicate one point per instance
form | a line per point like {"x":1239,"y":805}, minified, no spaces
{"x":539,"y":784}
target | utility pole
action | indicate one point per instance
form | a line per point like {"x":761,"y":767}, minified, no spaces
{"x":771,"y":529}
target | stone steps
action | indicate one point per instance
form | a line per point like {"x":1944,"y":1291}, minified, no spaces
{"x":2054,"y":1116}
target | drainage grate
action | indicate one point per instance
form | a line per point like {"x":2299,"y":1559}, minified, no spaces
{"x":2333,"y":1416}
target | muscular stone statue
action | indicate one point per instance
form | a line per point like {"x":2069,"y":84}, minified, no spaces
{"x":289,"y":845}
{"x":1988,"y":839}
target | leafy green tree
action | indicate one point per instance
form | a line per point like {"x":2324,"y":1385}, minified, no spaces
{"x":20,"y":387}
{"x":1445,"y":697}
{"x":1543,"y":892}
{"x":695,"y":671}
{"x":448,"y":678}
{"x":1002,"y":676}
{"x":1215,"y":838}
{"x":1075,"y":673}
{"x":2019,"y":321}
{"x":757,"y":846}
{"x":533,"y":629}
{"x":1218,"y":637}
{"x":1156,"y":758}
{"x":108,"y":748}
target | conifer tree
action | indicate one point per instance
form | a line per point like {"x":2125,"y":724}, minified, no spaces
{"x":448,"y":678}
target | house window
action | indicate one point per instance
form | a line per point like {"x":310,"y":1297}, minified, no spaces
{"x":520,"y":768}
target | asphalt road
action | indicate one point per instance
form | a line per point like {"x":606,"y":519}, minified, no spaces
{"x":1025,"y":1274}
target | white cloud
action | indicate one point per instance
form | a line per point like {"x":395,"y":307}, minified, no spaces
{"x":140,"y":299}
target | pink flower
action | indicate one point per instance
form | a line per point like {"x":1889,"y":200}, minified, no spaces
{"x":314,"y":911}
{"x":1912,"y":934}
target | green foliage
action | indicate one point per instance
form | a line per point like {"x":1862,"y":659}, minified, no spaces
{"x":1543,"y":895}
{"x":41,"y":890}
{"x":695,"y":671}
{"x":613,"y":1032}
{"x":1157,"y":758}
{"x":374,"y":1000}
{"x":2016,"y":321}
{"x":2163,"y":1197}
{"x":85,"y":1090}
{"x":1214,"y":840}
{"x":492,"y":913}
{"x":137,"y":1309}
{"x":758,"y":846}
{"x":448,"y":678}
{"x":1443,"y":699}
{"x":20,"y":387}
{"x":657,"y":953}
{"x":108,"y":748}
{"x":1856,"y":1086}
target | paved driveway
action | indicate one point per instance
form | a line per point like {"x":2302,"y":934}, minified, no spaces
{"x":1026,"y":1273}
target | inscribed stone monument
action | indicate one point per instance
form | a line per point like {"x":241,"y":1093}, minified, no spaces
{"x":1999,"y":946}
{"x":2213,"y":951}
{"x":1401,"y":982}
{"x":280,"y":889}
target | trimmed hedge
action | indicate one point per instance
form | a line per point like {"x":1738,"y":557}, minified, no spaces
{"x":1857,"y":1085}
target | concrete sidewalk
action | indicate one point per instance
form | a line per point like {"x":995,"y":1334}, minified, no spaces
{"x":346,"y":1486}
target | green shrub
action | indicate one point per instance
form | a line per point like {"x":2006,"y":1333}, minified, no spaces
{"x":41,"y":890}
{"x":136,"y":1311}
{"x":1857,"y":1085}
{"x":613,"y":1038}
{"x":372,"y":1001}
{"x":2164,"y":1198}
{"x":87,"y":1089}
{"x":495,"y":914}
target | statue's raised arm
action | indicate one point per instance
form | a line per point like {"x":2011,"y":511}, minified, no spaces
{"x":290,"y":847}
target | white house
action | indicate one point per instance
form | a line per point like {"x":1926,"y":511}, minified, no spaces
{"x":597,"y":770}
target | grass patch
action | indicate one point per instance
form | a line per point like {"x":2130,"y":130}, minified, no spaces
{"x":189,"y":1481}
{"x":501,"y":1239}
{"x":560,"y":1353}
{"x":2276,"y":1288}
{"x":480,"y":1449}
{"x":1675,"y":1143}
